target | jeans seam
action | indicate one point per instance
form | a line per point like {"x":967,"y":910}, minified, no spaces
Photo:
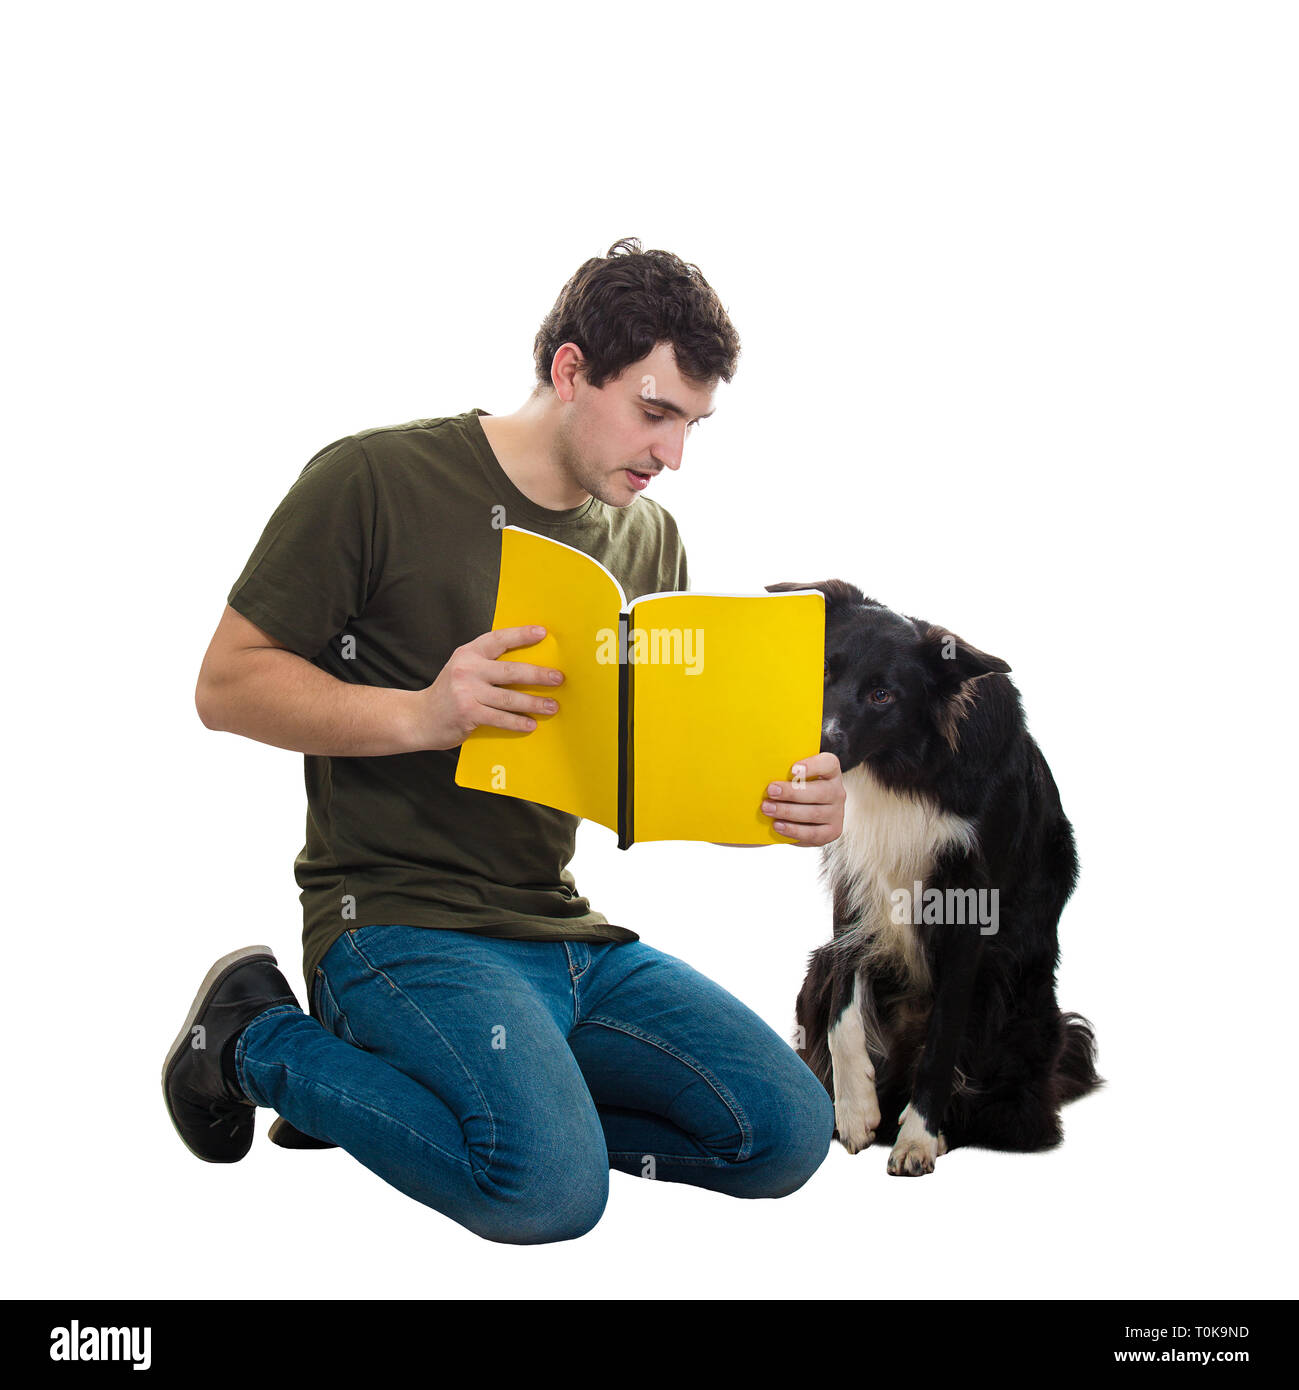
{"x":487,"y":1109}
{"x":712,"y":1161}
{"x":577,"y":974}
{"x":720,"y":1091}
{"x":373,"y":1110}
{"x":575,"y":978}
{"x":241,"y":1043}
{"x":325,"y":990}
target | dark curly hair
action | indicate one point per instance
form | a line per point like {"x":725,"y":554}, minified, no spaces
{"x":618,"y":308}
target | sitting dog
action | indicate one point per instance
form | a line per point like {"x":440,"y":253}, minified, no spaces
{"x":931,"y":1016}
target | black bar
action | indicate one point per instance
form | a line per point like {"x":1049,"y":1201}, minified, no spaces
{"x":1054,"y":1342}
{"x":626,"y":819}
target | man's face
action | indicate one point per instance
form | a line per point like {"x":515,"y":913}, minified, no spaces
{"x":635,"y":424}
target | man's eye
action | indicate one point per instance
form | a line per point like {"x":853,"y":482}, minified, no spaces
{"x":648,"y":416}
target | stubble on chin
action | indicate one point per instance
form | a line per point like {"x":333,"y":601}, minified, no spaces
{"x":609,"y":485}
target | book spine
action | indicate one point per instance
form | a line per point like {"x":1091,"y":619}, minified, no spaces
{"x":626,"y":828}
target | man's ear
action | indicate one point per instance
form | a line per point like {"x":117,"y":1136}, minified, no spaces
{"x":838,"y":592}
{"x":952,"y":661}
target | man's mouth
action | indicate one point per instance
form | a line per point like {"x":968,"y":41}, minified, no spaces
{"x":638,"y":481}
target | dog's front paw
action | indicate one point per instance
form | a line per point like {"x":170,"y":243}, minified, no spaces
{"x":855,"y":1124}
{"x":914,"y":1158}
{"x":917,"y":1150}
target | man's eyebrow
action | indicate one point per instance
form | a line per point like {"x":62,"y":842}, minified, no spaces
{"x":671,"y":407}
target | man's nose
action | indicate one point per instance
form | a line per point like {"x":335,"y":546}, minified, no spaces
{"x":668,"y":453}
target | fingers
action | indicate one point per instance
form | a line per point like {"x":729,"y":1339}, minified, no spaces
{"x":803,"y":813}
{"x":811,"y":835}
{"x":809,"y":807}
{"x":498,"y":676}
{"x":478,"y":685}
{"x":487,"y":716}
{"x":520,"y":673}
{"x":820,"y":787}
{"x":818,"y":765}
{"x":796,"y":825}
{"x":492,"y":645}
{"x":496,"y":697}
{"x":503,"y":639}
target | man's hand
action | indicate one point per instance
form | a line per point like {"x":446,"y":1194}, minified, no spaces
{"x":810,"y":808}
{"x":470,"y":691}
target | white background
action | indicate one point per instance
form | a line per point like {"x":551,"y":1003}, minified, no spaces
{"x":1016,"y":285}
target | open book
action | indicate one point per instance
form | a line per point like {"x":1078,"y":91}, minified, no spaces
{"x":676,"y":710}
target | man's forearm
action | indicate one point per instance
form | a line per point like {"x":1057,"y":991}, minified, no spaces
{"x":278,"y":697}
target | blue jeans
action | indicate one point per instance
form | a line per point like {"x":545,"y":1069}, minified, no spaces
{"x":498,"y":1081}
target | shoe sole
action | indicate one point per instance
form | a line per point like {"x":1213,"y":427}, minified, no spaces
{"x":281,"y":1125}
{"x":211,"y":981}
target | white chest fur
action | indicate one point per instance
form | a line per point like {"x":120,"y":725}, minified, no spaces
{"x":890,"y":842}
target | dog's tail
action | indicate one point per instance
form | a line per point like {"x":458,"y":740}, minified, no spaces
{"x":1075,"y":1068}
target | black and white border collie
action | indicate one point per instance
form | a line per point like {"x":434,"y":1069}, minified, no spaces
{"x":931,"y":1016}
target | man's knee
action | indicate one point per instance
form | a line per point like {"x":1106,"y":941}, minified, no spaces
{"x":795,"y":1134}
{"x":542,"y":1208}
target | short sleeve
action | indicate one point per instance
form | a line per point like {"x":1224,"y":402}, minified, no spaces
{"x":313,"y":568}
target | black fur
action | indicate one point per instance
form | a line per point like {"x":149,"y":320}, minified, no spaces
{"x":979,"y":1048}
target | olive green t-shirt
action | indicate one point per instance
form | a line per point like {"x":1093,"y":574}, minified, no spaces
{"x":380,"y":561}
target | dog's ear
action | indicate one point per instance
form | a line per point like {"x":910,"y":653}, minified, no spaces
{"x":952,"y":660}
{"x":838,"y":592}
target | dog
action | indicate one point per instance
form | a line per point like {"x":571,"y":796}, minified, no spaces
{"x":931,"y":1016}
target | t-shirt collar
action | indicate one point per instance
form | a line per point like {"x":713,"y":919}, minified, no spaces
{"x":518,"y":505}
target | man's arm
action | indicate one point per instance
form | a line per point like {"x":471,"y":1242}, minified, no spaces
{"x":250,"y":684}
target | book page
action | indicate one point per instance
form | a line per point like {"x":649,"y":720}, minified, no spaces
{"x":570,"y":760}
{"x":726,"y":697}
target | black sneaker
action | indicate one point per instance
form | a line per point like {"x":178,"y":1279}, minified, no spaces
{"x":207,"y":1105}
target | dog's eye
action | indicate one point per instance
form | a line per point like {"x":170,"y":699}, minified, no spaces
{"x":880,"y":696}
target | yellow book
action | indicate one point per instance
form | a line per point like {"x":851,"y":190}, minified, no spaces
{"x":676,"y":710}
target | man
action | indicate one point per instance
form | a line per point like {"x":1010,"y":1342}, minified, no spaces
{"x":478,"y":1035}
